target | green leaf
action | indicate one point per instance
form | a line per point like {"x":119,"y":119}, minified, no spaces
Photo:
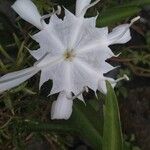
{"x":88,"y":123}
{"x":112,"y":134}
{"x":37,"y":126}
{"x":116,"y":15}
{"x":138,"y":3}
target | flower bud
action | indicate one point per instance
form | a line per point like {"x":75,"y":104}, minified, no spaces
{"x":28,"y":11}
{"x":62,"y":107}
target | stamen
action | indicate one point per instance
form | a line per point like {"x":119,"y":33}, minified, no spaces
{"x":89,"y":6}
{"x":134,"y":20}
{"x":117,"y":55}
{"x":58,"y":12}
{"x":125,"y":77}
{"x":86,"y":89}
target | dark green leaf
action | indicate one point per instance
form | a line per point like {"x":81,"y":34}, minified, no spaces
{"x":88,"y":123}
{"x":116,"y":15}
{"x":112,"y":134}
{"x":138,"y":3}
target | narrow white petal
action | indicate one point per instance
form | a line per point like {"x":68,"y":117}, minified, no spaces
{"x":80,"y":5}
{"x":11,"y":80}
{"x":62,"y":107}
{"x":28,"y":11}
{"x":120,"y":34}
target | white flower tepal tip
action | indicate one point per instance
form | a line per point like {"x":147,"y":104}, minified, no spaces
{"x":62,"y":107}
{"x":80,"y":5}
{"x":28,"y":11}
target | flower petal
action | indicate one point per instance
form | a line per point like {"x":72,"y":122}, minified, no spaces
{"x":28,"y":11}
{"x":13,"y":79}
{"x":76,"y":28}
{"x":84,"y":75}
{"x":96,"y":56}
{"x":49,"y":39}
{"x":119,"y":35}
{"x":62,"y":107}
{"x":93,"y":38}
{"x":54,"y":20}
{"x":61,"y":75}
{"x":80,"y":5}
{"x":38,"y":54}
{"x":50,"y":65}
{"x":102,"y":84}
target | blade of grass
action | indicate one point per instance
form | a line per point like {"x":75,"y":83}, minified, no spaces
{"x":20,"y":55}
{"x":2,"y":66}
{"x":4,"y":53}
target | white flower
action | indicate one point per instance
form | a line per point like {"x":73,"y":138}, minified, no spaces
{"x":72,"y":54}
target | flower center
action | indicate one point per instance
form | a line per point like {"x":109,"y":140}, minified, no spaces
{"x":69,"y":55}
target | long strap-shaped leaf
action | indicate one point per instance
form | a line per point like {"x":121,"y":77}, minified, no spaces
{"x":115,"y":15}
{"x":112,"y":134}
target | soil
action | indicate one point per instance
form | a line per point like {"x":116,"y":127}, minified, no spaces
{"x":135,"y":114}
